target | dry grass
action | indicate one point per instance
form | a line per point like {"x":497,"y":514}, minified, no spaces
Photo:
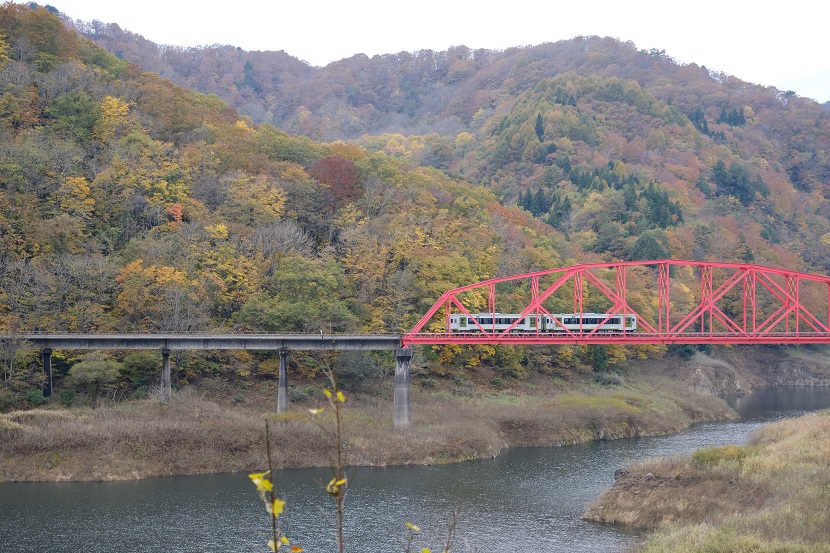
{"x":672,"y":491}
{"x":772,"y":495}
{"x":192,"y":434}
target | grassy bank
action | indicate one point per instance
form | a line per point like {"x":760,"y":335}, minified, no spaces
{"x":201,"y":433}
{"x":772,"y":495}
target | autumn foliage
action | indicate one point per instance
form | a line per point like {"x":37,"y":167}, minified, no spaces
{"x":340,"y":173}
{"x":128,"y":203}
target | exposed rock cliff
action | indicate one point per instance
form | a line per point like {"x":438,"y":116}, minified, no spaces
{"x":739,"y":370}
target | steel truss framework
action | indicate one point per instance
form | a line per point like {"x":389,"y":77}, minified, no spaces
{"x":734,"y":304}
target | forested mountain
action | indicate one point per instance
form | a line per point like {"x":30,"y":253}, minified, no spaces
{"x":615,"y":147}
{"x":119,"y":188}
{"x":130,"y":204}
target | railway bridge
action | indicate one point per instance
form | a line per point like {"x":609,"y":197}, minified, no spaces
{"x":629,"y":303}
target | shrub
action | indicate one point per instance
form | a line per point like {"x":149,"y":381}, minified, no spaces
{"x":36,"y":397}
{"x":141,"y":367}
{"x":95,"y":371}
{"x":7,"y":399}
{"x":711,"y":456}
{"x":608,"y":379}
{"x":140,"y":393}
{"x":683,"y":351}
{"x":301,"y":394}
{"x":67,"y":397}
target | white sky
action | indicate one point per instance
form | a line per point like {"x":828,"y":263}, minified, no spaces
{"x":781,"y":44}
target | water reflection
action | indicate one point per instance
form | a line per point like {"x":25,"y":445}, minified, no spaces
{"x":527,"y":499}
{"x":774,"y":403}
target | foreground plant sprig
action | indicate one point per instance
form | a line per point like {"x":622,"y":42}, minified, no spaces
{"x":412,"y":529}
{"x":275,"y":506}
{"x":338,"y":485}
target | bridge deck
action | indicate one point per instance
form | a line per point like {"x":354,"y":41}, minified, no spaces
{"x":387,"y":342}
{"x":628,"y":338}
{"x":208,"y":341}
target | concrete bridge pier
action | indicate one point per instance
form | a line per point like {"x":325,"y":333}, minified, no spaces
{"x":166,"y":387}
{"x":282,"y":390}
{"x":401,"y":407}
{"x":46,"y":354}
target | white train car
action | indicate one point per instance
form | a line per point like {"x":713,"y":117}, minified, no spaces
{"x":574,"y":322}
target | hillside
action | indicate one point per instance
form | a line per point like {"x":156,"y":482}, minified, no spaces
{"x":119,"y":188}
{"x":560,"y":123}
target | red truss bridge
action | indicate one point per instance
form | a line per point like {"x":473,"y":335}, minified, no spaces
{"x":638,"y":302}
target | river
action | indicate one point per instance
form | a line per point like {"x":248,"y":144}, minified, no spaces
{"x":528,"y":499}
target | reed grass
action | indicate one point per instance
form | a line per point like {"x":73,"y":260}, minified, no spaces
{"x":196,"y":434}
{"x":772,"y":495}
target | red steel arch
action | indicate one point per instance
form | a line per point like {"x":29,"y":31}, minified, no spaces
{"x":674,"y":302}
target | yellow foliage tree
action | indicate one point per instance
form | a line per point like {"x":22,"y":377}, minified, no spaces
{"x":143,"y":291}
{"x":617,"y":354}
{"x":74,"y":199}
{"x":4,"y":51}
{"x":255,"y":200}
{"x":150,"y":166}
{"x":114,"y":113}
{"x":233,"y":278}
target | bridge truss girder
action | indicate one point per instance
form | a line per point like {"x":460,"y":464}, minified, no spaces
{"x":734,"y":304}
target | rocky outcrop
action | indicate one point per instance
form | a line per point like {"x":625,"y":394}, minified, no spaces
{"x":797,"y":372}
{"x":738,"y":370}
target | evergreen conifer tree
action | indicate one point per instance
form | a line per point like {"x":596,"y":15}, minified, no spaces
{"x":539,"y":204}
{"x":540,"y":127}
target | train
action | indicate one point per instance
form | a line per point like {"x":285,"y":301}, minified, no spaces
{"x":574,"y":322}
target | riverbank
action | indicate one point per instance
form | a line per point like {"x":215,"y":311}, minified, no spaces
{"x":771,"y":495}
{"x":200,"y":432}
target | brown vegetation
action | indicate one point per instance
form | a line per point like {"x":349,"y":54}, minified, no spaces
{"x":193,"y":434}
{"x":670,"y":491}
{"x":771,"y":495}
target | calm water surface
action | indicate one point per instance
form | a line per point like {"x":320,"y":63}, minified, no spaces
{"x":525,"y":500}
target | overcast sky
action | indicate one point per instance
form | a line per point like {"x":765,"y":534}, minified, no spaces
{"x":778,"y":45}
